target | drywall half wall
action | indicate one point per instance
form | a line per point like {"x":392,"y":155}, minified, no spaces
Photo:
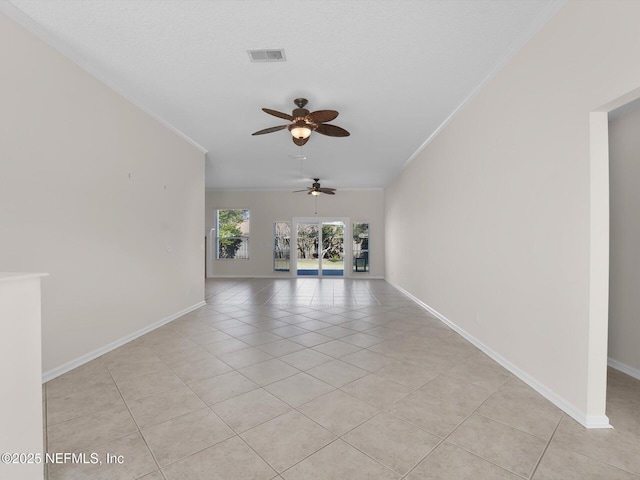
{"x":267,"y":207}
{"x":98,"y":194}
{"x":501,"y":198}
{"x":624,"y":272}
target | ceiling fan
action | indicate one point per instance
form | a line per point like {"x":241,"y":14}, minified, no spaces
{"x":305,"y":122}
{"x":315,"y":189}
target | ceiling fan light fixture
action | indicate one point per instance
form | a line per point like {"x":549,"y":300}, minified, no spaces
{"x":300,"y":131}
{"x":304,"y":122}
{"x":315,"y":189}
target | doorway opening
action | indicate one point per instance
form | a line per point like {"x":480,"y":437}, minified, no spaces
{"x":623,"y":378}
{"x":599,"y":219}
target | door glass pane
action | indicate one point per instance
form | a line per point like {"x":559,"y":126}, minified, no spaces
{"x":307,"y":255}
{"x":333,"y":249}
{"x":282,"y":246}
{"x":361,"y":247}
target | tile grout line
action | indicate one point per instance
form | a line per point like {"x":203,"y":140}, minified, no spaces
{"x":444,"y":439}
{"x":604,"y":462}
{"x":292,"y":408}
{"x":332,"y":442}
{"x":379,"y":412}
{"x":205,"y":406}
{"x":535,"y":467}
{"x":120,"y":436}
{"x":235,"y":433}
{"x":365,"y":453}
{"x":134,"y":421}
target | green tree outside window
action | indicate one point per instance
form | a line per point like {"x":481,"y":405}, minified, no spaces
{"x":233,"y":233}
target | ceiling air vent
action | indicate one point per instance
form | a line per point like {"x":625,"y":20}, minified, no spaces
{"x":267,"y":55}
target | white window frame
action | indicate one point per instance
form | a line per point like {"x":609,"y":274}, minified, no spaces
{"x":244,"y":238}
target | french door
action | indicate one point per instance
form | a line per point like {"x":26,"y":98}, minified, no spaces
{"x":320,"y":247}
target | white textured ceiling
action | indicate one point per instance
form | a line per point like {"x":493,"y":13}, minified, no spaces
{"x":394,"y":69}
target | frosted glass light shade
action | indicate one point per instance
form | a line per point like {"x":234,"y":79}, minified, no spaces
{"x":301,"y":132}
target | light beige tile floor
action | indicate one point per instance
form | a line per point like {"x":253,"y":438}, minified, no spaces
{"x":331,"y":379}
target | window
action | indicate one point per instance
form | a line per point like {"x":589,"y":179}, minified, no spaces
{"x":232,"y":234}
{"x":360,"y":247}
{"x":281,"y":246}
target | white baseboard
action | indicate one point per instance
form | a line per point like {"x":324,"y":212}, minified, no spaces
{"x":595,"y":421}
{"x":239,"y":277}
{"x":588,"y":421}
{"x":328,"y":277}
{"x":56,"y":372}
{"x":624,"y":368}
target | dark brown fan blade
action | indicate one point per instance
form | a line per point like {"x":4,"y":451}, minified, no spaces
{"x":321,"y":116}
{"x":332,"y":130}
{"x":297,"y":191}
{"x":328,"y":191}
{"x":270,"y":130}
{"x":278,"y":114}
{"x":300,"y":141}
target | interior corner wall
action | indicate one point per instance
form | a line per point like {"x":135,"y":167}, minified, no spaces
{"x":624,"y":272}
{"x":267,"y":207}
{"x":98,"y":194}
{"x":500,"y":199}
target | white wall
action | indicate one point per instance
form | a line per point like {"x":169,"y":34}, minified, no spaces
{"x":95,"y":192}
{"x":21,"y":373}
{"x":501,"y":197}
{"x":624,"y":273}
{"x":267,"y":207}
